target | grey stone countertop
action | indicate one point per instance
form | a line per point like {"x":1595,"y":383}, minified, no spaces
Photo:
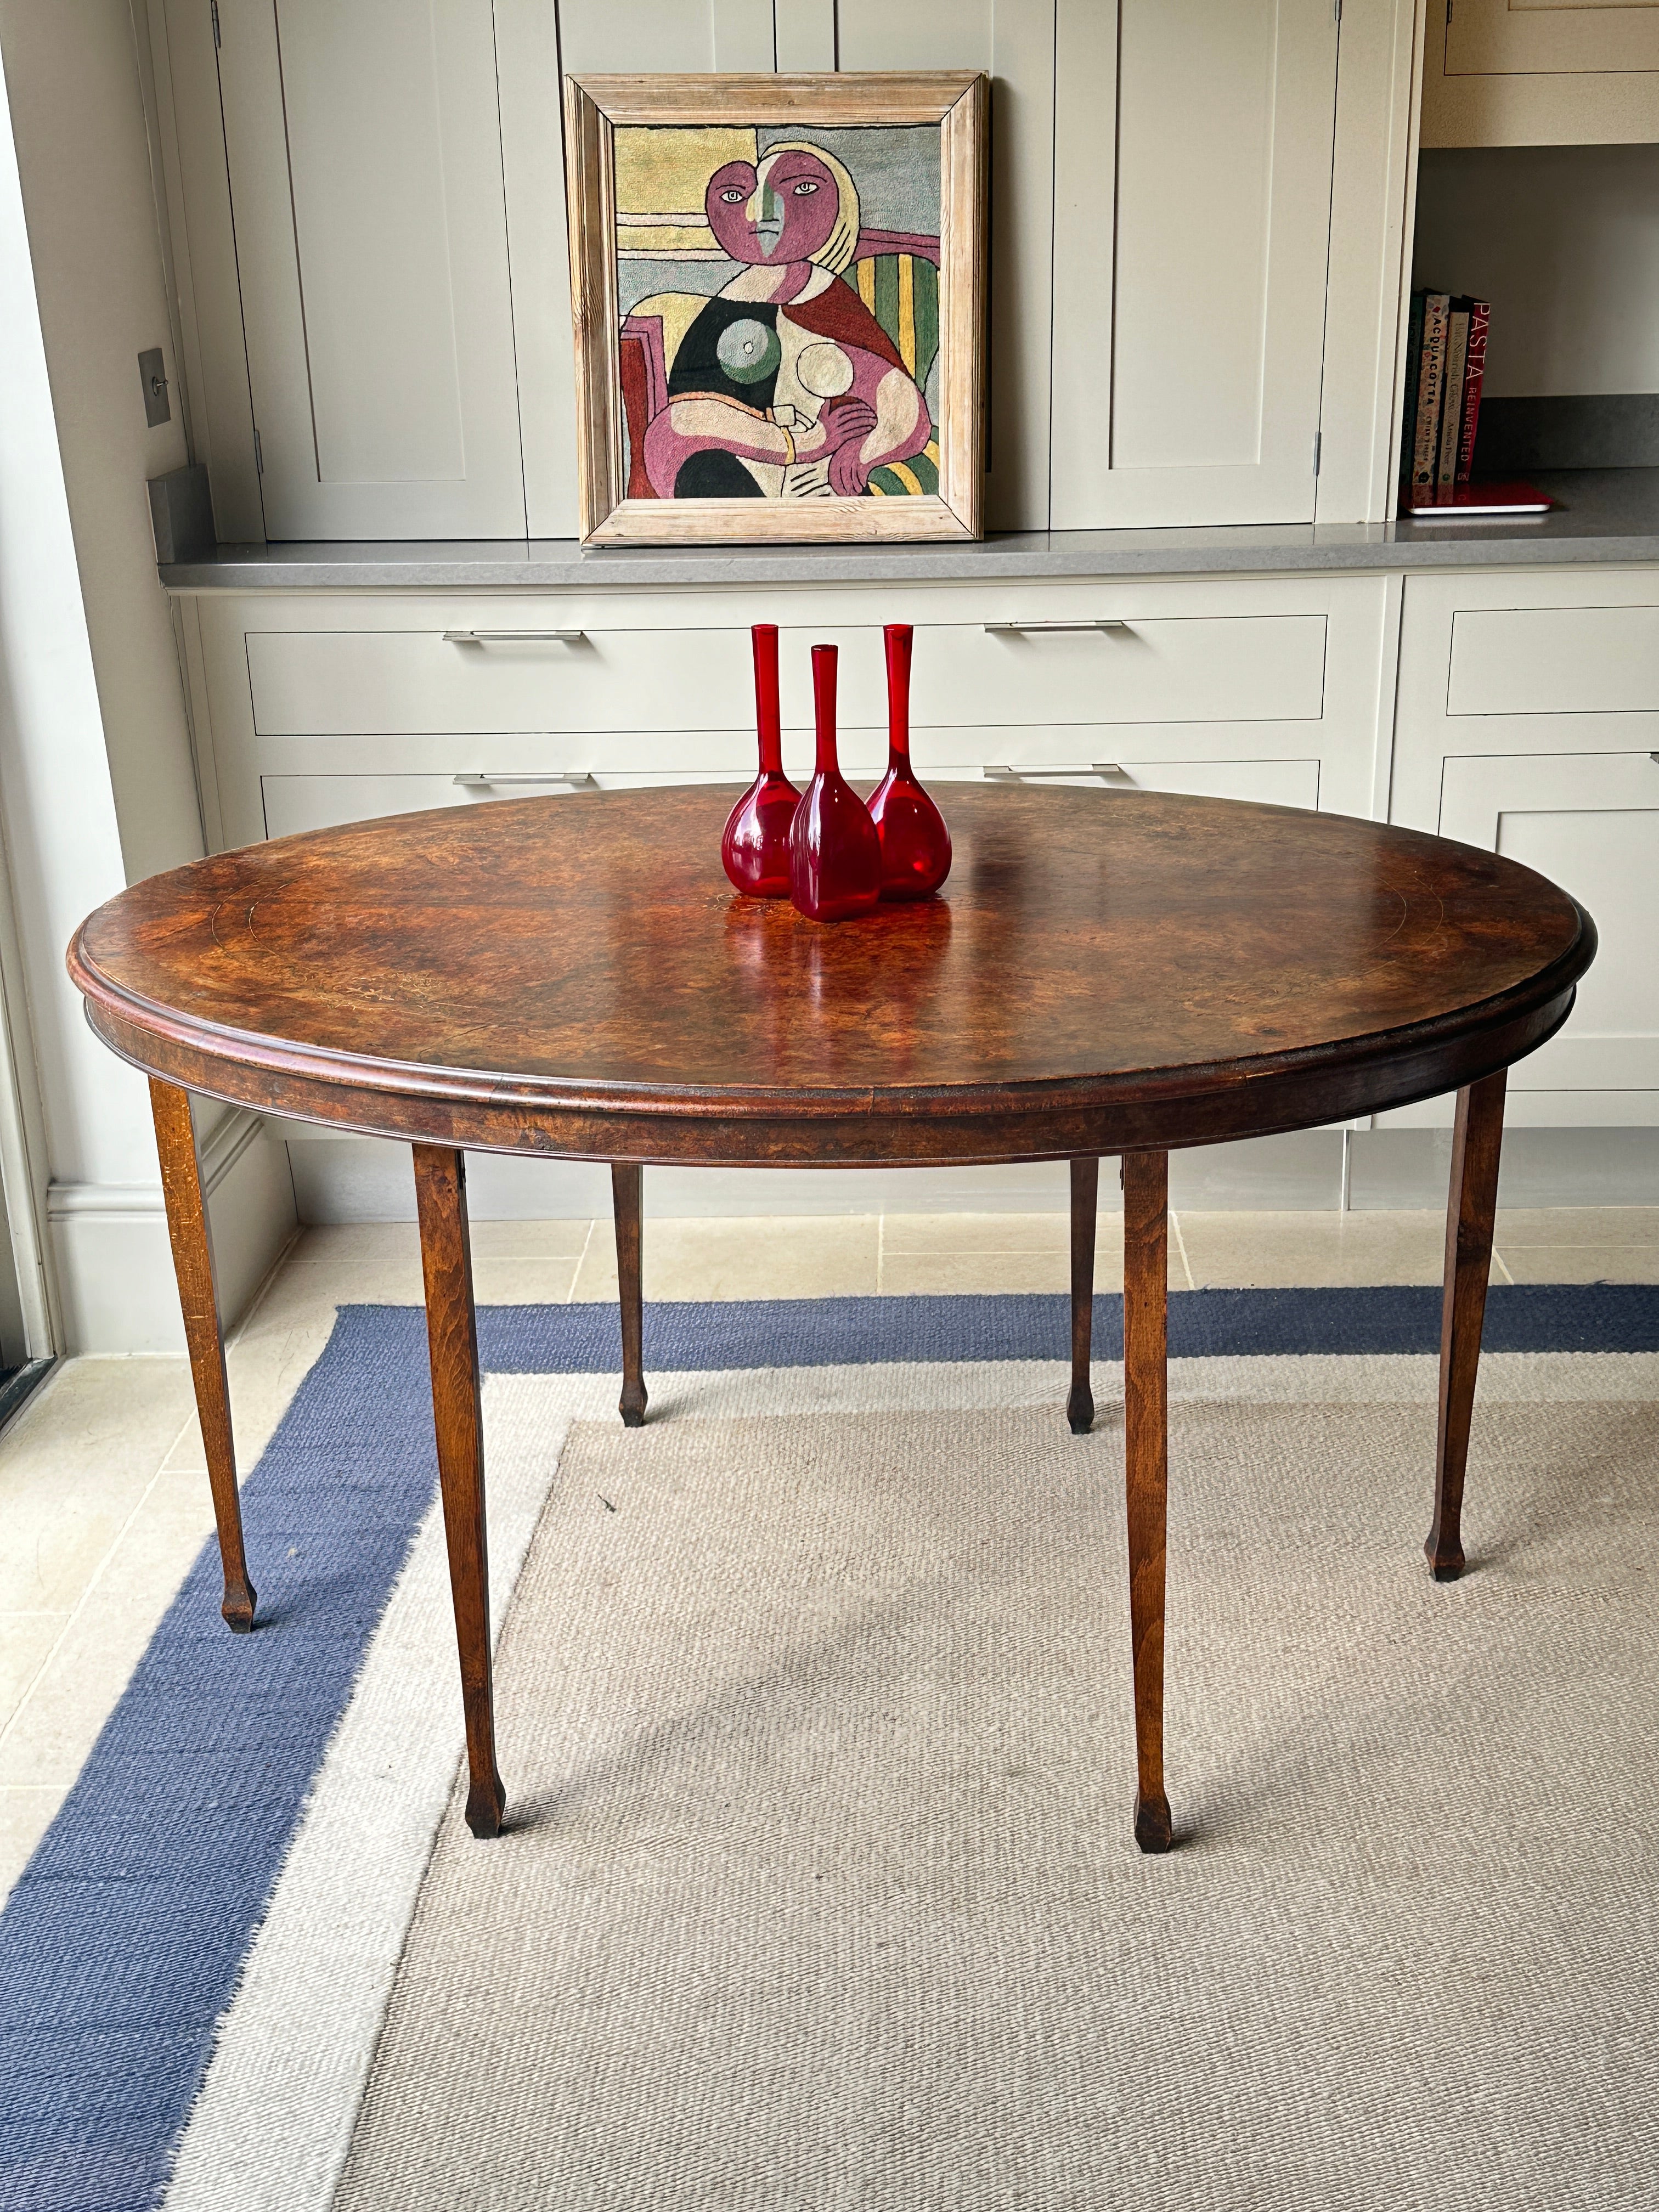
{"x":1603,"y":514}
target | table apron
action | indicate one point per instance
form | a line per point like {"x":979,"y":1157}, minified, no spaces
{"x":876,"y":1134}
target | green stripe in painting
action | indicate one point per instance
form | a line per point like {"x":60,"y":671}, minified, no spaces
{"x":926,"y":316}
{"x":887,"y":294}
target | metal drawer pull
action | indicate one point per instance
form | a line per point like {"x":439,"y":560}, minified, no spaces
{"x":1020,"y":774}
{"x":1032,"y":628}
{"x":513,"y":637}
{"x":580,"y":779}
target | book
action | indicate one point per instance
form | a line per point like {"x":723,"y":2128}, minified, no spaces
{"x":1475,"y":371}
{"x":1451,"y":411}
{"x":1426,"y":443}
{"x":1414,"y":377}
{"x":1445,"y":503}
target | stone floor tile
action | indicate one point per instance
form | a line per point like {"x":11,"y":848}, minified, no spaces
{"x":1243,"y":1251}
{"x":757,"y":1256}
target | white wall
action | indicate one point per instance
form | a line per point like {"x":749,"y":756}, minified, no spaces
{"x":1563,"y":240}
{"x":96,"y":778}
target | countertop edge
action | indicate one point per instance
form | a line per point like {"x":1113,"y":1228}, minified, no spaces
{"x":1606,"y":516}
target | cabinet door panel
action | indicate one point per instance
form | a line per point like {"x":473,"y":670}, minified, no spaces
{"x":1590,"y":823}
{"x":622,"y":35}
{"x":1529,"y":38}
{"x":1190,"y":247}
{"x":1014,"y":40}
{"x":1554,"y":660}
{"x":365,"y":158}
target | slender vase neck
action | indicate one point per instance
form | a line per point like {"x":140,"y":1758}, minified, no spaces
{"x":767,"y":719}
{"x":825,"y":658}
{"x":898,"y":639}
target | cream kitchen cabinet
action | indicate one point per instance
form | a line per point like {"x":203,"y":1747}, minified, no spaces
{"x":368,"y":212}
{"x":396,"y":206}
{"x":1528,"y":725}
{"x":1540,"y":72}
{"x":328,"y":708}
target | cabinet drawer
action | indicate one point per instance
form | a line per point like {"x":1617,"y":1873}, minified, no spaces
{"x":296,"y":802}
{"x":1590,"y":823}
{"x":1221,"y":668}
{"x":293,"y":803}
{"x":1267,"y":782}
{"x":1554,"y":660}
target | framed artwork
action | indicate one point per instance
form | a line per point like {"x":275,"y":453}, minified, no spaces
{"x":778,"y":288}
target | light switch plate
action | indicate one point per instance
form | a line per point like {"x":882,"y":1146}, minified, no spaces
{"x":153,"y":375}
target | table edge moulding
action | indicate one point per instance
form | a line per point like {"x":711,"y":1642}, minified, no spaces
{"x":1106,"y":974}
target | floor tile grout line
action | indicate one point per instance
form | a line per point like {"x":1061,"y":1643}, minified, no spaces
{"x":581,"y":1260}
{"x":1181,"y":1246}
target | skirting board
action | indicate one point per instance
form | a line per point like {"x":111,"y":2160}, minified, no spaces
{"x":344,"y":1179}
{"x":340,"y":1179}
{"x":113,"y":1260}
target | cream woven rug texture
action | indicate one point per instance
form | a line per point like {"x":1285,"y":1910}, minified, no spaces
{"x":820,"y":1891}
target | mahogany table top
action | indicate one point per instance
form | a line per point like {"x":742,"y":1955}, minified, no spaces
{"x":1103,"y":971}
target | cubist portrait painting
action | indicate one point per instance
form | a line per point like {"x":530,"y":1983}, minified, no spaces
{"x":779,"y":293}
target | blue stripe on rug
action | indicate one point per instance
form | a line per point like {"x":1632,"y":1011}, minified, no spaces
{"x":583,"y":1340}
{"x":122,"y":1944}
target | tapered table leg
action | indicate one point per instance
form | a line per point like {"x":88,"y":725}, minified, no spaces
{"x":192,"y":1260}
{"x":1146,"y":1464}
{"x":451,"y":1328}
{"x":1085,"y":1189}
{"x":1471,"y":1211}
{"x":627,"y":1197}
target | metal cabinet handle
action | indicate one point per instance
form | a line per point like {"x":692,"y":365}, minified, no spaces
{"x":1005,"y":774}
{"x":1033,"y":629}
{"x":580,"y":779}
{"x":513,"y":637}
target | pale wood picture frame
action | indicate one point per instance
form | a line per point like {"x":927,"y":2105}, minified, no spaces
{"x":957,"y":102}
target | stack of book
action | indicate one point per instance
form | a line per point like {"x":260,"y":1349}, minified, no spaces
{"x":1445,"y":367}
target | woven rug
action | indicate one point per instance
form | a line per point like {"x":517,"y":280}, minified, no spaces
{"x":816,"y":1725}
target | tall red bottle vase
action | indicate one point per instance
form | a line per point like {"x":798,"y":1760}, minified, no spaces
{"x":834,"y":855}
{"x":755,"y":850}
{"x":916,"y":845}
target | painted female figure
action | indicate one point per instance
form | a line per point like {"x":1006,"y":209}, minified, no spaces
{"x":783,"y":385}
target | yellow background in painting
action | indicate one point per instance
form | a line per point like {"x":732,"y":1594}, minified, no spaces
{"x":666,"y":172}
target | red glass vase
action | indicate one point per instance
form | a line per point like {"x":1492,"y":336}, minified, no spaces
{"x":916,"y":845}
{"x":834,"y":855}
{"x":754,"y":850}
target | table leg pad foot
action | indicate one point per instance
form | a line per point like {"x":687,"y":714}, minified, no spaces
{"x":1445,"y":1566}
{"x":486,"y":1808}
{"x":1152,"y":1823}
{"x":238,"y":1608}
{"x":1080,"y":1410}
{"x":632,"y":1416}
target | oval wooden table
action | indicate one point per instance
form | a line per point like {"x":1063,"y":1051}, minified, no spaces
{"x":1105,"y":974}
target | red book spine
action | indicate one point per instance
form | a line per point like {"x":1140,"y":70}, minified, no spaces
{"x":1475,"y":370}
